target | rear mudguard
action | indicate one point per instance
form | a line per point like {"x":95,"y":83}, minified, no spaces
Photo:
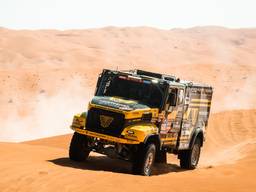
{"x":198,"y":133}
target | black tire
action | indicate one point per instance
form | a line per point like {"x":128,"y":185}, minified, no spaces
{"x":78,"y":150}
{"x":189,"y":158}
{"x":161,"y":157}
{"x":144,"y":160}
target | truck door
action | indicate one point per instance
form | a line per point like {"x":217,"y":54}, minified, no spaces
{"x":171,"y":125}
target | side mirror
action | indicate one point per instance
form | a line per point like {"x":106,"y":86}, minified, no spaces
{"x":186,"y":100}
{"x":170,"y":109}
{"x":181,"y":96}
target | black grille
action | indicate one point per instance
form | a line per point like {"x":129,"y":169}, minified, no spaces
{"x":93,"y":122}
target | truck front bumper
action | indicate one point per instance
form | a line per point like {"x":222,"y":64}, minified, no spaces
{"x":105,"y":137}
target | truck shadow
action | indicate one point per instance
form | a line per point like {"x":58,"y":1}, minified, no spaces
{"x":103,"y":163}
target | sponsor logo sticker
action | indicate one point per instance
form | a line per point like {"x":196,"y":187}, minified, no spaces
{"x":105,"y":121}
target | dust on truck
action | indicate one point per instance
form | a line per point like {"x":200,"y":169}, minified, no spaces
{"x":141,"y":116}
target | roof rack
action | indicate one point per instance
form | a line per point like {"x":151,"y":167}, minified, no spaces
{"x":164,"y":77}
{"x":170,"y":78}
{"x":156,"y":75}
{"x":147,"y":73}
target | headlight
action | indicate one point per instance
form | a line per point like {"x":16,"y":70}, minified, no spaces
{"x":130,"y":132}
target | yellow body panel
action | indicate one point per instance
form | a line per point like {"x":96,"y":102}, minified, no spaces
{"x":201,"y":100}
{"x":199,"y":105}
{"x":133,"y":134}
{"x":78,"y":121}
{"x":139,"y":132}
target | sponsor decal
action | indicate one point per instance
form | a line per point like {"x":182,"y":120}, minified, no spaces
{"x":105,"y":121}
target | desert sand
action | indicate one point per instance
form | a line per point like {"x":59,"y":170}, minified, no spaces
{"x":48,"y":75}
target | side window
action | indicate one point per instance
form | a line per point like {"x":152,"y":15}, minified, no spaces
{"x":172,"y":100}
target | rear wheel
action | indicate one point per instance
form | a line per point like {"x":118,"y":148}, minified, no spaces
{"x":144,"y":160}
{"x":189,"y":158}
{"x":78,"y":150}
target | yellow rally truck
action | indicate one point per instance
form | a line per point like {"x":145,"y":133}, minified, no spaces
{"x":141,"y":116}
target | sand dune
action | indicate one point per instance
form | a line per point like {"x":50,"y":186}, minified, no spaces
{"x":231,"y":136}
{"x":48,"y":75}
{"x":227,"y":163}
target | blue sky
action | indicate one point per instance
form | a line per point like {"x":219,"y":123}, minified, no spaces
{"x":165,"y":14}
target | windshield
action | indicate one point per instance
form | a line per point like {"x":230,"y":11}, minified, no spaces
{"x":144,"y":91}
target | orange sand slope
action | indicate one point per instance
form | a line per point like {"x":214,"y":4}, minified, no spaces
{"x":227,"y":163}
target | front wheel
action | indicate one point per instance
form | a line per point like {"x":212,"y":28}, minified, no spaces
{"x":78,"y":150}
{"x":144,"y":160}
{"x":189,"y":158}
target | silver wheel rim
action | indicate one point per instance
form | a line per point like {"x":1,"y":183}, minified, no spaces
{"x":195,"y":155}
{"x":149,"y":162}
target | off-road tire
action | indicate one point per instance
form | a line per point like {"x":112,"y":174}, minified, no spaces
{"x":161,"y":157}
{"x":144,"y":160}
{"x":189,"y":158}
{"x":78,"y":150}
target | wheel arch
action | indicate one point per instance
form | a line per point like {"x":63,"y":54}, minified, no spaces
{"x":198,"y":133}
{"x":153,"y":138}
